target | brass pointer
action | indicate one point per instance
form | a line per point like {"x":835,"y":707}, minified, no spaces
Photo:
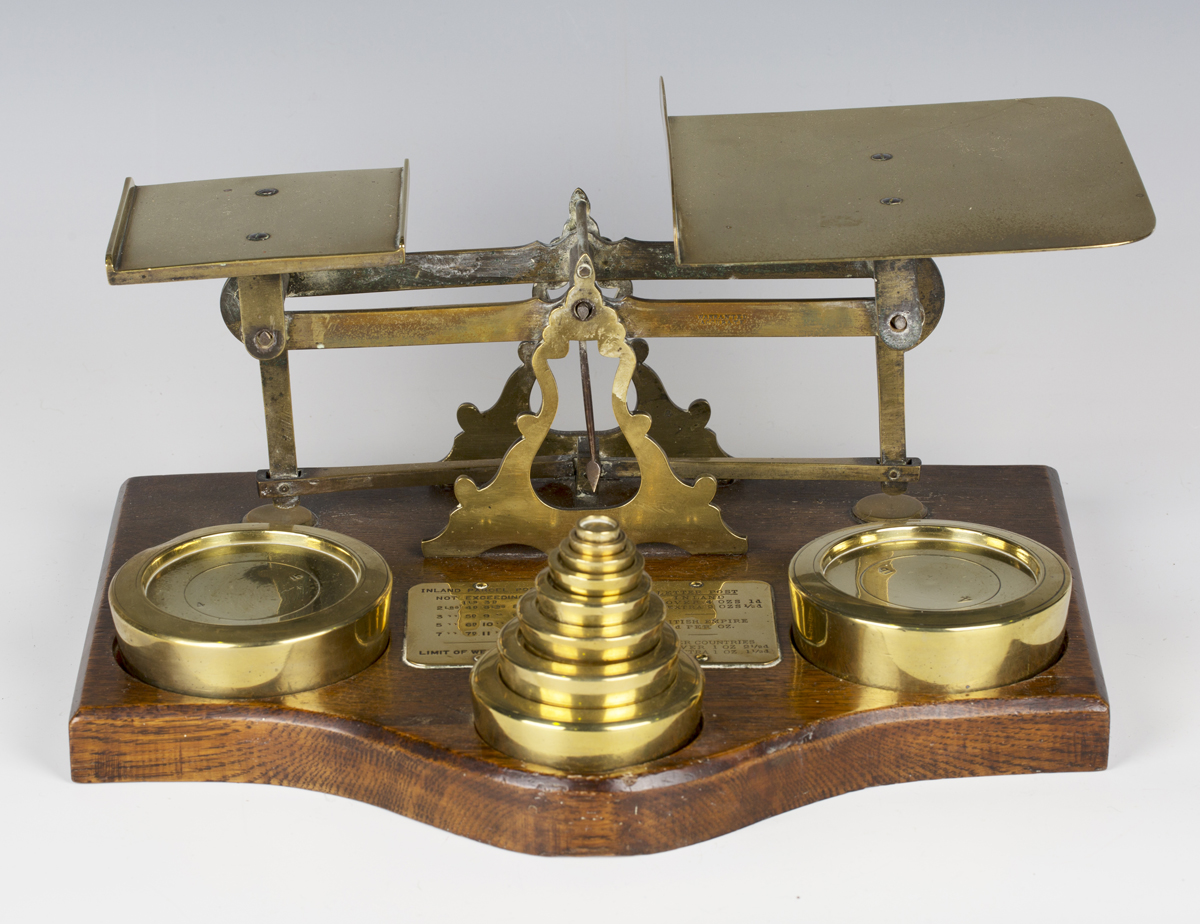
{"x":593,"y":466}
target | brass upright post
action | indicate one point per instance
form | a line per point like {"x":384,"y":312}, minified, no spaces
{"x":889,"y":373}
{"x":264,"y":333}
{"x":899,"y":324}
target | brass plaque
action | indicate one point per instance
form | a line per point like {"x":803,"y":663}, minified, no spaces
{"x":721,"y":623}
{"x":259,"y":225}
{"x":998,"y":176}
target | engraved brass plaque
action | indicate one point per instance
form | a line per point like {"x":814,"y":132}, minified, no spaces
{"x":720,"y":623}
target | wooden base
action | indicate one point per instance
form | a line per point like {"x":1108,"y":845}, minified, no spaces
{"x":773,"y":739}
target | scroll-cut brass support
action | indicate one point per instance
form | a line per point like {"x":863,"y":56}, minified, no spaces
{"x":681,"y":432}
{"x":588,"y":677}
{"x":508,"y":510}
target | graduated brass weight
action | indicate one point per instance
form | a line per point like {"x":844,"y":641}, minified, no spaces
{"x":245,"y":611}
{"x":588,"y":677}
{"x":936,"y":606}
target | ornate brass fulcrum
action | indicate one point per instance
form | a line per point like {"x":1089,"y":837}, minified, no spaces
{"x":588,"y":677}
{"x":508,"y":509}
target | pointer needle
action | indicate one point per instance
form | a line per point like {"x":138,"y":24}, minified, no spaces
{"x":593,"y":466}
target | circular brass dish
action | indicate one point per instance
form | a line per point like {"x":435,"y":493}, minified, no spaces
{"x":246,"y":610}
{"x":934,"y":606}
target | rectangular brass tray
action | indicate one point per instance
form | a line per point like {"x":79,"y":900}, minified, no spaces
{"x":773,"y":738}
{"x":254,"y":225}
{"x":903,"y":181}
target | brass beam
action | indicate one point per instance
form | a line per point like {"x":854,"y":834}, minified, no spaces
{"x":525,"y":320}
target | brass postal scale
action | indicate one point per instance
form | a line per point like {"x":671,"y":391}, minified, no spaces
{"x":619,"y":641}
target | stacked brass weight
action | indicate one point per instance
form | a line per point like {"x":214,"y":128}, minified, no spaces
{"x":589,"y":677}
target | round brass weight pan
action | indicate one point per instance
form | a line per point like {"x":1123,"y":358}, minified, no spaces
{"x":245,"y":610}
{"x":931,"y":606}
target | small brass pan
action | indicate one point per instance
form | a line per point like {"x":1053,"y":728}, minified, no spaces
{"x":929,"y":606}
{"x":250,"y":611}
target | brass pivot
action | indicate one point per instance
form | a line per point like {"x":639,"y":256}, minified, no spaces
{"x":589,"y":676}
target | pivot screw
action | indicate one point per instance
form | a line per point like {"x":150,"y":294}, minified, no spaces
{"x":584,"y":271}
{"x":893,"y":474}
{"x":264,"y":339}
{"x":891,"y":200}
{"x":268,"y":191}
{"x":881,"y":156}
{"x":584,"y":310}
{"x":258,"y":236}
{"x":898,"y":323}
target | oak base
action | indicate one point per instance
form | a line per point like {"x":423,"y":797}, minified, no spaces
{"x":772,"y":739}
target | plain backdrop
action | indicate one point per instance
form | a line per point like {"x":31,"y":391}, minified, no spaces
{"x":1081,"y":360}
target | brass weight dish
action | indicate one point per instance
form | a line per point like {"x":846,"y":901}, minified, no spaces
{"x":244,"y":610}
{"x":930,"y":606}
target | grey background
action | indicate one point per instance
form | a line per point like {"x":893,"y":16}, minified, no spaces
{"x":1080,"y":360}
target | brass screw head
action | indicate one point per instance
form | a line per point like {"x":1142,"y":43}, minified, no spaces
{"x":264,"y":339}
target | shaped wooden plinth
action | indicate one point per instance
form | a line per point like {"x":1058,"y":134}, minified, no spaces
{"x":773,"y":739}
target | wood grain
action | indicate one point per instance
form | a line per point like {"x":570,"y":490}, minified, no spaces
{"x":773,"y":739}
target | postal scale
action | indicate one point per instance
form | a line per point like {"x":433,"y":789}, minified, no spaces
{"x":612,"y":641}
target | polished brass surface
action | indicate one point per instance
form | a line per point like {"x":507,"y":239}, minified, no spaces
{"x":249,"y":611}
{"x":997,"y":176}
{"x":932,"y":606}
{"x":259,"y":225}
{"x":720,"y":623}
{"x":588,"y":678}
{"x":508,"y":510}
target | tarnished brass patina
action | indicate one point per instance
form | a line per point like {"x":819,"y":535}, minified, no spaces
{"x":258,"y":225}
{"x":852,"y":194}
{"x":934,"y":606}
{"x":248,"y":611}
{"x":998,"y":176}
{"x":588,"y":677}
